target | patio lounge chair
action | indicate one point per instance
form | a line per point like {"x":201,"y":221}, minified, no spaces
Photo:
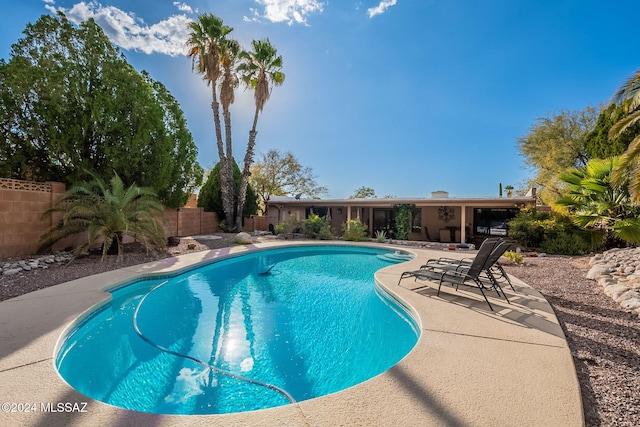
{"x":458,"y":274}
{"x":493,"y":271}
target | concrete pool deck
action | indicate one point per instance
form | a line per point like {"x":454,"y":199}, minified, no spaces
{"x":470,"y":367}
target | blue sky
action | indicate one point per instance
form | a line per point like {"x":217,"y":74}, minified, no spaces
{"x":403,"y":96}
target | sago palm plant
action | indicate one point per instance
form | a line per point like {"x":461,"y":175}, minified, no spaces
{"x":107,"y":213}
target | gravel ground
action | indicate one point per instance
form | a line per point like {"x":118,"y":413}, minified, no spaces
{"x":25,"y":282}
{"x":604,"y":339}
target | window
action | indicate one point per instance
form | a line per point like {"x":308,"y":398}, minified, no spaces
{"x":493,"y":221}
{"x":416,"y":220}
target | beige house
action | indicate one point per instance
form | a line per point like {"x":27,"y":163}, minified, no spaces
{"x":439,"y":218}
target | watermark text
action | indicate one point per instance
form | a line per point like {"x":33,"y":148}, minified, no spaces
{"x":48,"y":407}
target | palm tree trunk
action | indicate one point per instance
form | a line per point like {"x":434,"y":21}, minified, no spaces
{"x":226,"y":178}
{"x":246,"y":173}
{"x":228,"y":198}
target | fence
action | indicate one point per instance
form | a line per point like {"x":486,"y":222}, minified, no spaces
{"x":189,"y":222}
{"x":256,"y":223}
{"x":22,"y":204}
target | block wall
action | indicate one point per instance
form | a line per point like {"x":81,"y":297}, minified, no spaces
{"x":22,"y":204}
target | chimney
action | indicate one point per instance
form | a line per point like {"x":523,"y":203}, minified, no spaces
{"x":439,"y":194}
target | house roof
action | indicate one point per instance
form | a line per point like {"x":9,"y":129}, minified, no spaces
{"x":418,"y":201}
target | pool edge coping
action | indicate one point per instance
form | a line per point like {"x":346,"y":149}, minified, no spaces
{"x":359,"y":404}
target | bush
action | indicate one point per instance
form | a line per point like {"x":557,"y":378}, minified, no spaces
{"x":402,"y":215}
{"x":290,"y":226}
{"x":527,"y":228}
{"x":550,"y":232}
{"x":354,"y":230}
{"x":315,"y":227}
{"x":566,"y":244}
{"x":515,"y":257}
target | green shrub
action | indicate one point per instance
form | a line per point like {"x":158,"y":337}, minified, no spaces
{"x":292,"y":225}
{"x":515,"y":257}
{"x":528,"y":227}
{"x":551,"y":232}
{"x":354,"y":230}
{"x":317,"y":228}
{"x":566,"y":243}
{"x":402,"y":216}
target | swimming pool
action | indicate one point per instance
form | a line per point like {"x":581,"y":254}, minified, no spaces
{"x":306,"y":320}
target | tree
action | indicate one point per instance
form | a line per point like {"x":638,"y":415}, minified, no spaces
{"x":363,"y":193}
{"x":597,"y":143}
{"x":71,"y":105}
{"x":260,"y":70}
{"x":596,"y":203}
{"x":210,"y":196}
{"x":278,"y":174}
{"x":184,"y":172}
{"x":207,"y":44}
{"x":554,"y":144}
{"x":219,"y":59}
{"x":108,"y":213}
{"x":628,"y":169}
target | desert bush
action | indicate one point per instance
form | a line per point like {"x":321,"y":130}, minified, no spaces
{"x":551,"y":232}
{"x":292,"y":225}
{"x":515,"y":257}
{"x":354,"y":230}
{"x":317,"y":228}
{"x":566,"y":243}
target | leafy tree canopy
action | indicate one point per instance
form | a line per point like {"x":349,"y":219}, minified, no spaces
{"x":363,"y":193}
{"x":554,"y":144}
{"x":210,"y":196}
{"x":71,"y":105}
{"x":278,"y":174}
{"x":598,"y":144}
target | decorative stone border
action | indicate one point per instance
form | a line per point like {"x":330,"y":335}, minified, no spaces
{"x":9,"y":268}
{"x":618,"y":272}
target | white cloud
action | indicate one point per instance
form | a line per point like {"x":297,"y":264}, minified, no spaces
{"x":381,"y":8}
{"x":183,"y":7}
{"x":129,"y":32}
{"x":289,"y":11}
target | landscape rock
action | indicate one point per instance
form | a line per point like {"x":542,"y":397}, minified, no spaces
{"x":617,"y":271}
{"x":11,"y":271}
{"x":243,"y":238}
{"x":598,"y":270}
{"x":615,"y":291}
{"x":20,"y":265}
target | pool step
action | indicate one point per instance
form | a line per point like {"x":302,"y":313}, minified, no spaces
{"x":395,"y":257}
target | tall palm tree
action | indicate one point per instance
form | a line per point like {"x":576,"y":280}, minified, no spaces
{"x":628,"y":96}
{"x":108,"y":213}
{"x":209,"y":50}
{"x":229,"y":82}
{"x":597,"y":203}
{"x":260,"y":70}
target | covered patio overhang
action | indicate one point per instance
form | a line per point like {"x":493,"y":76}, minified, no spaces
{"x":440,"y":217}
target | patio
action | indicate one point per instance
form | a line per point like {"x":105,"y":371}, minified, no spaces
{"x":471,"y":366}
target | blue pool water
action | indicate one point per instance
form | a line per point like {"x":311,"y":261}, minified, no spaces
{"x":313,"y":325}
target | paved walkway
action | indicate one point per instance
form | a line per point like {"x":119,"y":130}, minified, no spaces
{"x":471,"y":366}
